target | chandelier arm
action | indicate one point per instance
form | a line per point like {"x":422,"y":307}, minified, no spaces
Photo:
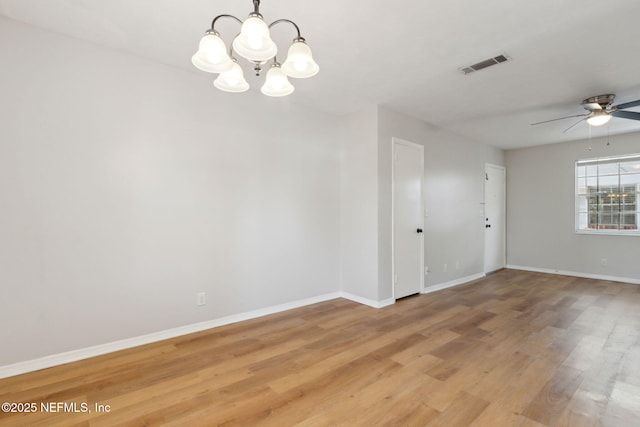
{"x":290,"y":22}
{"x":256,"y":6}
{"x":213,"y":23}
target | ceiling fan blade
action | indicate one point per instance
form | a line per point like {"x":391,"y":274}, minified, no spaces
{"x":561,"y":118}
{"x":574,"y":125}
{"x":628,"y":105}
{"x":627,"y":114}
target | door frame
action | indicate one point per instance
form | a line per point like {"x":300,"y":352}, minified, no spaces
{"x":397,"y":141}
{"x":503,"y":255}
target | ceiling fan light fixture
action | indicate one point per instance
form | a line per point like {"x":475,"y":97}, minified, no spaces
{"x":599,"y":118}
{"x":600,"y":111}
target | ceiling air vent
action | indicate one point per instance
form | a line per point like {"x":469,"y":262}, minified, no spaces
{"x":484,"y":64}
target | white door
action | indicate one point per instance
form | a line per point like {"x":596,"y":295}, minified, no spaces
{"x":408,"y":240}
{"x":495,"y":217}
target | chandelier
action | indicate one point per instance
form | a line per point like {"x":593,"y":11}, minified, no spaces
{"x":255,"y":45}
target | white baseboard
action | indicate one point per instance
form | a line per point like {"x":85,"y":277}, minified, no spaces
{"x":366,"y":301}
{"x":97,"y":350}
{"x":635,"y":281}
{"x":452,"y":283}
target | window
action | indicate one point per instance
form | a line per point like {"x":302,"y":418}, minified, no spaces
{"x":608,"y":195}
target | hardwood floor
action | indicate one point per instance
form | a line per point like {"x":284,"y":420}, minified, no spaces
{"x":512,"y":349}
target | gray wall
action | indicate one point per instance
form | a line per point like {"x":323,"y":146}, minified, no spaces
{"x":454,"y":189}
{"x":358,"y":206}
{"x":541,"y":211}
{"x":128,"y":186}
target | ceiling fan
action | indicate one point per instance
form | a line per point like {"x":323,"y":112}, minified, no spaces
{"x":600,"y":111}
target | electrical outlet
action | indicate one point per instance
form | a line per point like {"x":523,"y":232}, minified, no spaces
{"x":457,"y":265}
{"x":604,"y":262}
{"x":444,"y":268}
{"x":426,"y":271}
{"x":201,"y":298}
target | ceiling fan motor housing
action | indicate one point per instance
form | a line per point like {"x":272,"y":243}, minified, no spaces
{"x":599,"y":102}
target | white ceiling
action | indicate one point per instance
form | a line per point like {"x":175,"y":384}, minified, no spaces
{"x":404,"y":54}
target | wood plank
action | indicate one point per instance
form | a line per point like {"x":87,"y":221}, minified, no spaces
{"x":550,"y":402}
{"x":463,"y":410}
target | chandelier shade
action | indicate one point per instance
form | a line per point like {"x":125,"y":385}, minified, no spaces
{"x":232,"y":80}
{"x":277,"y":83}
{"x":300,"y":63}
{"x":254,"y":43}
{"x":212,"y":56}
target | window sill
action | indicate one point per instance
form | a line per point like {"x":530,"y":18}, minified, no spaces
{"x":610,"y":232}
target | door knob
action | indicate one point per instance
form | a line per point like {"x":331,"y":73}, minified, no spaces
{"x":487,"y":226}
{"x":419,"y":230}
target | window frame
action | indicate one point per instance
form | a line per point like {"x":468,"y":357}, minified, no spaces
{"x":586,"y":195}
